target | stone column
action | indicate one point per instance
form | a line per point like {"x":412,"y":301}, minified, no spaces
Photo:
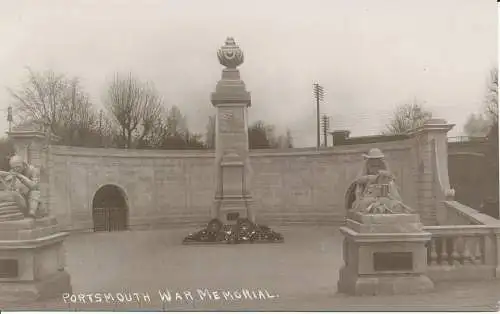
{"x":231,"y":100}
{"x":431,"y":170}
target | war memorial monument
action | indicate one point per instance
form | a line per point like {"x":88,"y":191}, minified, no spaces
{"x":233,"y":214}
{"x":402,"y":232}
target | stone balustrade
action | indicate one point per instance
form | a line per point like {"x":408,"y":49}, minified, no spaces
{"x":466,"y":247}
{"x":457,"y":245}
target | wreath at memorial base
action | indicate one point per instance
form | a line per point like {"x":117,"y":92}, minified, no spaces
{"x":244,"y":231}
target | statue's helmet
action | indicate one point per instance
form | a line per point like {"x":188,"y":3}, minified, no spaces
{"x":16,"y":161}
{"x":374,"y":153}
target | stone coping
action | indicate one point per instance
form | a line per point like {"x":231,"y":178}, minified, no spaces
{"x":385,"y":237}
{"x":60,"y":150}
{"x":384,"y":228}
{"x":28,"y":234}
{"x":383,"y":218}
{"x":471,"y":214}
{"x":465,"y":230}
{"x":33,"y":243}
{"x":27,"y":223}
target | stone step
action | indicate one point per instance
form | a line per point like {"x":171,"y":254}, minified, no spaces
{"x":9,"y":211}
{"x":12,"y":216}
{"x":7,"y":204}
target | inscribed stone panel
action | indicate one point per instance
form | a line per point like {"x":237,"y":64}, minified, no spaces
{"x":231,"y":120}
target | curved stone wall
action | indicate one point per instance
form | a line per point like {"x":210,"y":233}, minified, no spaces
{"x":172,"y":187}
{"x":177,"y":187}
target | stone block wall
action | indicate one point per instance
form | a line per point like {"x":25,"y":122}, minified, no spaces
{"x":169,"y":187}
{"x":291,"y":185}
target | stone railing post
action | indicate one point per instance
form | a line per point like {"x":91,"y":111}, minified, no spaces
{"x":32,"y":143}
{"x":431,"y":150}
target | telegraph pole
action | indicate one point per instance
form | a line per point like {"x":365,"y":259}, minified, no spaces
{"x":325,"y":123}
{"x":318,"y":95}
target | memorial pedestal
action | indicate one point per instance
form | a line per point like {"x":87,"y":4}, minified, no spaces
{"x":384,"y":254}
{"x":233,"y":218}
{"x":234,"y":201}
{"x":32,"y":261}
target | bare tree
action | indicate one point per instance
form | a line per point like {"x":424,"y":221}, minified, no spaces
{"x":491,"y":100}
{"x":134,"y":107}
{"x":263,"y":135}
{"x":78,"y":118}
{"x":170,"y":131}
{"x":176,"y":123}
{"x":108,"y":134}
{"x":157,"y":133}
{"x":194,"y":141}
{"x":59,"y":102}
{"x":407,"y":117}
{"x":41,"y":98}
{"x":178,"y":134}
{"x":477,"y":125}
{"x":210,"y":132}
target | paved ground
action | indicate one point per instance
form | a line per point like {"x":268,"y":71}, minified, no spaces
{"x":302,"y":273}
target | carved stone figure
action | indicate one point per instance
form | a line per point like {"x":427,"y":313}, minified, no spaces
{"x":374,"y":190}
{"x":23,"y":180}
{"x":9,"y":208}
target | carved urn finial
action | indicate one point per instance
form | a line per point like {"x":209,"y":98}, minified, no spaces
{"x":230,"y":55}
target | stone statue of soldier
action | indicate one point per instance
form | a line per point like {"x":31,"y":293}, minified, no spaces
{"x":25,"y":179}
{"x":375,"y":190}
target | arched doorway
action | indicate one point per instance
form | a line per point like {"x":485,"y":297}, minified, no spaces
{"x":109,"y":209}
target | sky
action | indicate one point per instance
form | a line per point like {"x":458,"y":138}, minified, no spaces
{"x":369,"y":55}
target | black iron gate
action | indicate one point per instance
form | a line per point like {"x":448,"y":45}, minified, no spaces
{"x":110,"y":219}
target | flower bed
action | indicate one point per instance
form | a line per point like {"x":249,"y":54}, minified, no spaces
{"x":244,"y":231}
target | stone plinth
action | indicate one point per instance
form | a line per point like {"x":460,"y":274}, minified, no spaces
{"x":234,"y":201}
{"x":32,"y":261}
{"x":384,"y":254}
